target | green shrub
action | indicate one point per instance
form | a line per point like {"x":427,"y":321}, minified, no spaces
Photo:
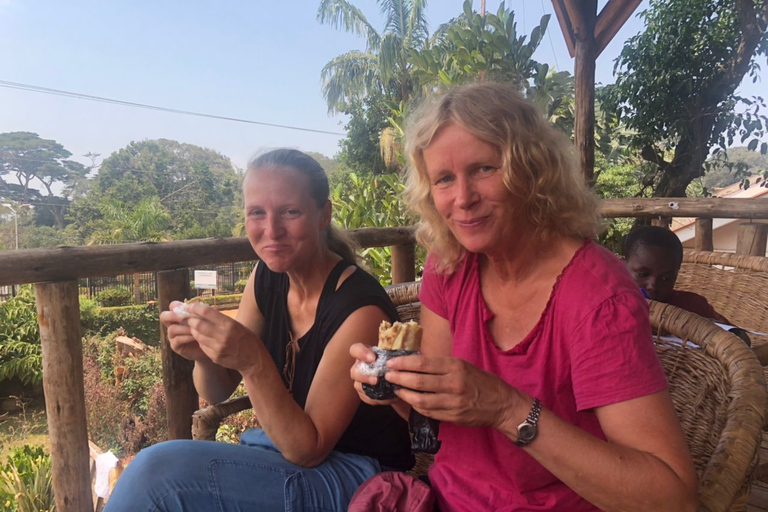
{"x":240,"y":285}
{"x":113,"y":297}
{"x":88,"y":309}
{"x":368,"y":202}
{"x":235,"y":424}
{"x":222,"y":300}
{"x":141,"y":375}
{"x":128,"y":416}
{"x":25,"y":481}
{"x":20,"y":351}
{"x":142,"y":321}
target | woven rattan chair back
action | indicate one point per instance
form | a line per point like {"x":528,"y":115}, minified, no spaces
{"x":735,"y":285}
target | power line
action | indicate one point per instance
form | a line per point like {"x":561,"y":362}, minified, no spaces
{"x":77,"y":95}
{"x":549,"y":34}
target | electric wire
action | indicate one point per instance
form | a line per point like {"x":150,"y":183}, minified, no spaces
{"x":549,"y":34}
{"x":58,"y":92}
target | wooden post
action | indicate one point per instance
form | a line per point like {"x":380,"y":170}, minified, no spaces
{"x":137,"y":288}
{"x":180,"y":395}
{"x":58,"y":312}
{"x":751,"y":239}
{"x":703,"y":235}
{"x":584,"y":85}
{"x":403,"y":263}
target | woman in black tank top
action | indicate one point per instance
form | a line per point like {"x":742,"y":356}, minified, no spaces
{"x":304,"y":305}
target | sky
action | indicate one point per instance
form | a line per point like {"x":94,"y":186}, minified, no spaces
{"x":253,"y":60}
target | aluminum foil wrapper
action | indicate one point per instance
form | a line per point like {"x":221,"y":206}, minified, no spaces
{"x":424,"y":433}
{"x":383,"y":390}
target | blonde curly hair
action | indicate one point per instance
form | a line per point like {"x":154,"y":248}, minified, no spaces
{"x":538,"y":168}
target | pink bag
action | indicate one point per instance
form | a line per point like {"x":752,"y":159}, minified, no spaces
{"x":393,"y":491}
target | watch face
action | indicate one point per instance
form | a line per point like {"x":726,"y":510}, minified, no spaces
{"x":526,"y":432}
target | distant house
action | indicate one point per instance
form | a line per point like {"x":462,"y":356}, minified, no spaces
{"x":723,"y":230}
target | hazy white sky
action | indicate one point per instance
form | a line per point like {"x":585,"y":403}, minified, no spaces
{"x":254,"y":60}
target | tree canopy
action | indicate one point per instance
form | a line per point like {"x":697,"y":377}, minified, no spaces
{"x":384,"y":67}
{"x":677,"y":80}
{"x":28,"y":162}
{"x":159,"y":189}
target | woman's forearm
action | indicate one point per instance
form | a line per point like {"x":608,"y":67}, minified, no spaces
{"x":213,"y":382}
{"x":301,"y":443}
{"x":610,"y":476}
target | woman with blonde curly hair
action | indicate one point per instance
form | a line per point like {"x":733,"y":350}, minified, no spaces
{"x":537,"y":354}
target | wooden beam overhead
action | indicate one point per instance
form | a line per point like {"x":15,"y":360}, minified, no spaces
{"x":610,"y":20}
{"x":579,"y":13}
{"x":565,"y":25}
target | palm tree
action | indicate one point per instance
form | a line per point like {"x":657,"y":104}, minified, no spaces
{"x":384,"y":66}
{"x":148,"y":221}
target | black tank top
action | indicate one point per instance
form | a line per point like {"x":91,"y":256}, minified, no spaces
{"x":377,"y":432}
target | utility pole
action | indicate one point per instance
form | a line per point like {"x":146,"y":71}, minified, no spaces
{"x":24,"y":206}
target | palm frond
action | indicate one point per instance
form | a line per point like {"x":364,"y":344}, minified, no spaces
{"x":418,"y":26}
{"x":390,"y":55}
{"x":342,"y":14}
{"x":396,"y":13}
{"x":347,"y":77}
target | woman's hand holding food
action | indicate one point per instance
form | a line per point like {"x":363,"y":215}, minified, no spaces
{"x":180,"y":335}
{"x":207,"y":334}
{"x":362,"y":352}
{"x":451,"y":389}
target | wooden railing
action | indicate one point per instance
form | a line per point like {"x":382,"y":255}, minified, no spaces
{"x":54,"y":273}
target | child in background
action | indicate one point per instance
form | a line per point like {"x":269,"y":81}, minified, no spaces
{"x":653,"y":256}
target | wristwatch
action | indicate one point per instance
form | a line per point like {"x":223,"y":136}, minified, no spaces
{"x":527,"y":430}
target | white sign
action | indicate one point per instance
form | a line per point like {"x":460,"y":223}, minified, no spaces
{"x":205,"y":279}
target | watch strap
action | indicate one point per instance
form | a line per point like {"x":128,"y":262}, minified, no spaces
{"x":531,"y":422}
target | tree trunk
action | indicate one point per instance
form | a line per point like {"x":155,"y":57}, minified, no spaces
{"x":690,"y":154}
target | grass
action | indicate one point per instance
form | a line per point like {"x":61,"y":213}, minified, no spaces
{"x":28,"y":425}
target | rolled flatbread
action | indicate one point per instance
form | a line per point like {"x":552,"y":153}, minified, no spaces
{"x":399,"y":336}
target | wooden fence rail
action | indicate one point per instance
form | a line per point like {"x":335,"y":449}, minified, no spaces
{"x":55,"y":273}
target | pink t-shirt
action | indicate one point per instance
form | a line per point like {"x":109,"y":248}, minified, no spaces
{"x":591,"y":347}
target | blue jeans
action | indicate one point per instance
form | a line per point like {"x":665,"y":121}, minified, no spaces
{"x":207,"y":476}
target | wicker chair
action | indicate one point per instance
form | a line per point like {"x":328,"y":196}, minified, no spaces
{"x":735,"y":285}
{"x":719,"y":392}
{"x":717,"y":387}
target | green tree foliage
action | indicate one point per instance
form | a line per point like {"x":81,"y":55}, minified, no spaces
{"x":40,"y":236}
{"x":676,"y":83}
{"x":367,"y":202}
{"x":360,"y":149}
{"x":28,"y":162}
{"x":160,"y":189}
{"x":474,"y":46}
{"x":147,"y":221}
{"x":384,"y":66}
{"x":20,"y":351}
{"x":728,"y":167}
{"x":617,"y":180}
{"x":365,"y":85}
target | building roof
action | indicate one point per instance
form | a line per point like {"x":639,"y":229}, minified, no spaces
{"x":732,"y":191}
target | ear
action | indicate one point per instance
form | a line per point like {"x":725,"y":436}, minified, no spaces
{"x":325,"y":215}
